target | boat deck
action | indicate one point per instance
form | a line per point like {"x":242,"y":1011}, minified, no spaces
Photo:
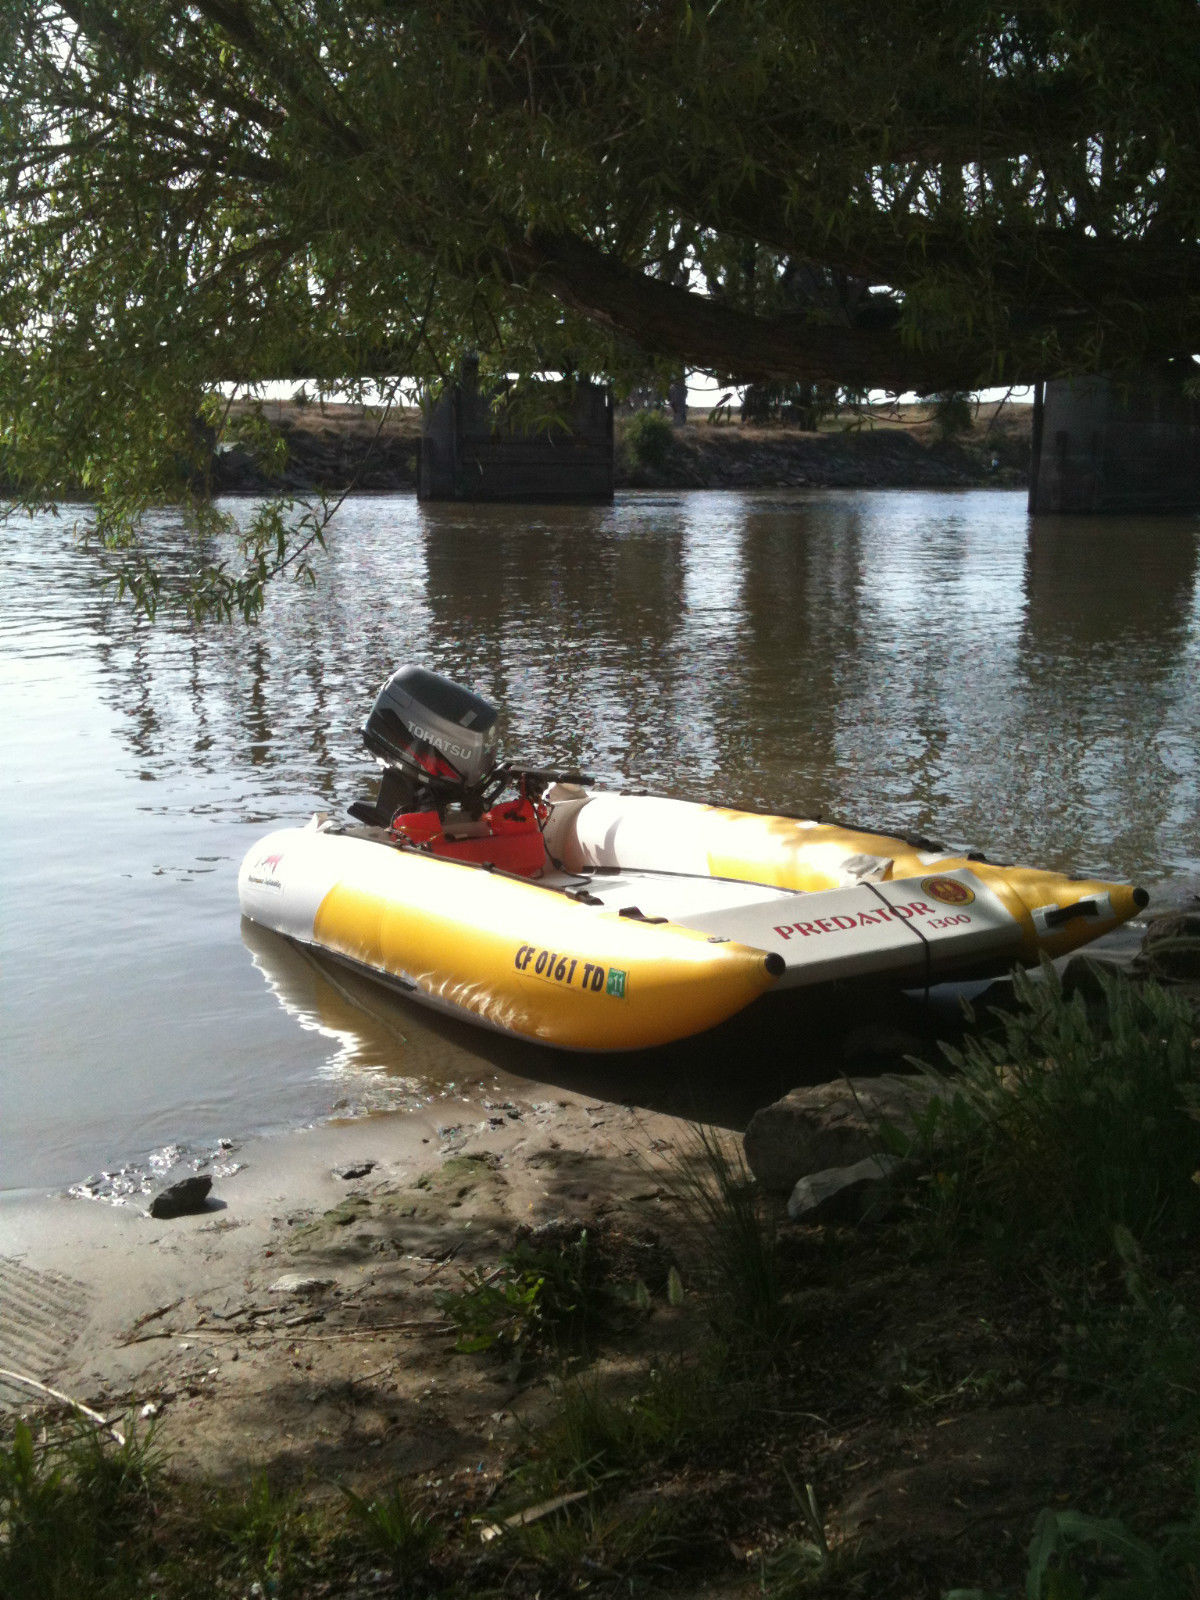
{"x":914,"y":928}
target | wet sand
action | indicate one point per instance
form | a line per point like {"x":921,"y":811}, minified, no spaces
{"x":292,"y":1325}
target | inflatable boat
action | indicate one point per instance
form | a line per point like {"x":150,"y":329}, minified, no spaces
{"x":534,"y":903}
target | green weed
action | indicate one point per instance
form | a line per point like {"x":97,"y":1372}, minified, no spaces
{"x":611,"y":1453}
{"x":84,"y":1519}
{"x":928,"y":1384}
{"x":497,"y":1309}
{"x":262,"y":1531}
{"x":1133,"y":1336}
{"x":591,"y":1542}
{"x":804,"y":1562}
{"x":552,"y":1290}
{"x":561,"y":1287}
{"x":593,"y":1437}
{"x":1076,"y":1557}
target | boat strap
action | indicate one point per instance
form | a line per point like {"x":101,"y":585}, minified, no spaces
{"x":913,"y":929}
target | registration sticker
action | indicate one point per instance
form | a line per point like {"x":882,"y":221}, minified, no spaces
{"x":616,"y":983}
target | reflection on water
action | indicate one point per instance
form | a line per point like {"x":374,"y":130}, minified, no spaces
{"x":365,"y":1034}
{"x":396,"y":1054}
{"x":932,"y":661}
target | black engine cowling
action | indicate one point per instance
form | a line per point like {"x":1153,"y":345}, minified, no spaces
{"x":437,"y":741}
{"x":433,"y":728}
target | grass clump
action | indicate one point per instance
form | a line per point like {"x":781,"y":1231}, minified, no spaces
{"x":85,"y":1518}
{"x":590,"y":1543}
{"x":804,"y":1562}
{"x":1066,"y":1122}
{"x":736,"y":1254}
{"x":548,"y":1290}
{"x":74,"y":1514}
{"x":395,"y":1527}
{"x":1064,"y":1150}
{"x":1131,"y":1333}
{"x":262,"y":1533}
{"x":608,"y":1445}
{"x":586,"y":1508}
{"x":595,"y":1437}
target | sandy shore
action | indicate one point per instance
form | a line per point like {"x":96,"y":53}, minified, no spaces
{"x":293,"y":1324}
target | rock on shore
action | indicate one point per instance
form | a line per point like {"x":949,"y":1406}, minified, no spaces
{"x":829,"y":1125}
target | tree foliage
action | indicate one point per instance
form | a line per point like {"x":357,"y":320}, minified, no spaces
{"x":782,"y":191}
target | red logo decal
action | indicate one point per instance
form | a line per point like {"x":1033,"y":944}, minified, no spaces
{"x":948,"y":890}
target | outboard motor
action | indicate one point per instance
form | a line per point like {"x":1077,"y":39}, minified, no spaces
{"x":436,"y":741}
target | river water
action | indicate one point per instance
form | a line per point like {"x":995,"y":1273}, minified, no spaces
{"x":900,"y":659}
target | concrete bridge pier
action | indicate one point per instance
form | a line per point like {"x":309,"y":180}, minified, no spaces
{"x":1114,"y":445}
{"x":472,"y":450}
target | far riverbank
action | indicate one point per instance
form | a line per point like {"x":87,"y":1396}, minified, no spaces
{"x":335,"y":447}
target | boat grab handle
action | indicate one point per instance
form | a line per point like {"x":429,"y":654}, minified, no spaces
{"x":1045,"y":918}
{"x":636,"y":914}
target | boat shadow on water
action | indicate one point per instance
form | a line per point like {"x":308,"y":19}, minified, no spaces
{"x":379,"y":1039}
